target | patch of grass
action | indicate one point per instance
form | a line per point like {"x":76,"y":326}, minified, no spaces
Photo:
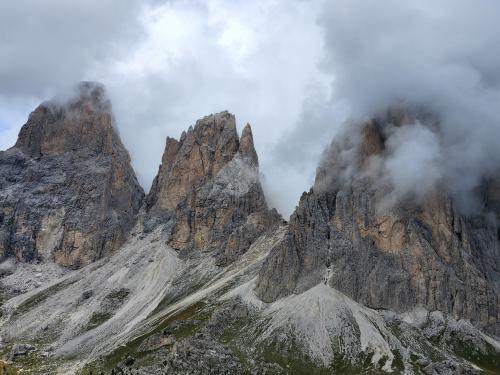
{"x":398,"y":363}
{"x":32,"y":363}
{"x":118,"y":295}
{"x":414,"y":363}
{"x":8,"y":369}
{"x":230,"y":337}
{"x":488,"y":361}
{"x":97,"y":319}
{"x":110,"y":361}
{"x":294,"y":361}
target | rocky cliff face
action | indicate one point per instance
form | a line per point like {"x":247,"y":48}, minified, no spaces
{"x":394,"y":257}
{"x":364,"y":280}
{"x":208,"y":188}
{"x":67,"y":189}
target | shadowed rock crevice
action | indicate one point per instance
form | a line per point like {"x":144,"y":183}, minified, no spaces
{"x":67,"y":189}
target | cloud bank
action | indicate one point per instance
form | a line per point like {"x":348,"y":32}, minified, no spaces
{"x":439,"y":57}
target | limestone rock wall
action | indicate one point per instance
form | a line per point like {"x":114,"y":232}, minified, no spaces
{"x":208,"y":187}
{"x":388,"y":257}
{"x":67,"y":189}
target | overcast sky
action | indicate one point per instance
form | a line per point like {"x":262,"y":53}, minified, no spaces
{"x":293,"y":69}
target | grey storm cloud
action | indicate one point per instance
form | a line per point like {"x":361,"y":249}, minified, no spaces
{"x":48,"y":45}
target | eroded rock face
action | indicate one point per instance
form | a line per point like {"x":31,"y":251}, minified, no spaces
{"x":208,"y":187}
{"x":67,"y":189}
{"x":395,"y":257}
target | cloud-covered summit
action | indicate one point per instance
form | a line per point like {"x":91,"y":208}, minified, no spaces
{"x":435,"y":57}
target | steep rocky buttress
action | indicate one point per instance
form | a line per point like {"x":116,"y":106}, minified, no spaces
{"x":397,"y":256}
{"x":208,"y":188}
{"x":67,"y":189}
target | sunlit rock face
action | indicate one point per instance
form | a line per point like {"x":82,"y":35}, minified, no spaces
{"x":67,"y":189}
{"x":208,"y":188}
{"x":348,"y":232}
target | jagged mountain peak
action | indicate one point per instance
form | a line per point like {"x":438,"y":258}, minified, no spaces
{"x":208,"y":187}
{"x":247,"y":149}
{"x":198,"y":156}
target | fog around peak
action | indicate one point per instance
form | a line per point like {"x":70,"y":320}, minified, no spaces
{"x":438,"y":57}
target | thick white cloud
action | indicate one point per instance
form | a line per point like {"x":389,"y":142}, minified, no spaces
{"x":412,"y":166}
{"x":440,"y":56}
